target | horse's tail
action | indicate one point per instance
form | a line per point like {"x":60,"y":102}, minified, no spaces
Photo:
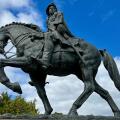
{"x":111,"y":67}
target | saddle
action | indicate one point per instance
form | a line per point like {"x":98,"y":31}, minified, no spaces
{"x":65,"y":45}
{"x":61,"y":45}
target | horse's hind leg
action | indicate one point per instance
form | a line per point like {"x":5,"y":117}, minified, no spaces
{"x":39,"y":83}
{"x":88,"y":90}
{"x":105,"y":95}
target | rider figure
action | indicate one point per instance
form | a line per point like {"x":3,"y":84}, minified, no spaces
{"x":56,"y":29}
{"x":55,"y":22}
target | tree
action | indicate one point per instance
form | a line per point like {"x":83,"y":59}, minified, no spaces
{"x":17,"y":106}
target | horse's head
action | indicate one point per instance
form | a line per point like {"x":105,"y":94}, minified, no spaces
{"x":18,"y":33}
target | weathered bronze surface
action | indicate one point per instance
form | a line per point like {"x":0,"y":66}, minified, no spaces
{"x":56,"y":52}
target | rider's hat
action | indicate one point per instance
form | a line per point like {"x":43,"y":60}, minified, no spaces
{"x":47,"y":10}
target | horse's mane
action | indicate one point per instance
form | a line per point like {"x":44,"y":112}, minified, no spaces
{"x":32,"y":26}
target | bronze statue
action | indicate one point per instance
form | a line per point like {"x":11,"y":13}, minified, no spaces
{"x":63,"y":61}
{"x":57,"y":31}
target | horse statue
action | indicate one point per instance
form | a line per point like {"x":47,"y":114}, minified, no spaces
{"x":63,"y":59}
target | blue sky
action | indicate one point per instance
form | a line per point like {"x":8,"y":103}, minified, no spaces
{"x":97,"y":21}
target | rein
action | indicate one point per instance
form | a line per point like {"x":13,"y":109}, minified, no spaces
{"x":26,"y":35}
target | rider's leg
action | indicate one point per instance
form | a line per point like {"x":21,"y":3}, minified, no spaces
{"x":47,"y":52}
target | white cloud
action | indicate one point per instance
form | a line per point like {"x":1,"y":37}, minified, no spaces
{"x":29,"y":15}
{"x":13,"y":3}
{"x":32,"y":17}
{"x":6,"y":17}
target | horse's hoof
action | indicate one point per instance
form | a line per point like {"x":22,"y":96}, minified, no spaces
{"x":117,"y":114}
{"x":44,"y":116}
{"x":73,"y":113}
{"x":16,"y":87}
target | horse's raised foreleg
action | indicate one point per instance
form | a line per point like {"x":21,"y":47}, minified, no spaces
{"x":15,"y":62}
{"x":5,"y":81}
{"x":39,"y":82}
{"x":88,"y":90}
{"x":105,"y":95}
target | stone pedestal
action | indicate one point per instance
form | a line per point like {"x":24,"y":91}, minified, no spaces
{"x":55,"y":117}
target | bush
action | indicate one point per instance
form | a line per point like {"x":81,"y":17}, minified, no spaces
{"x":17,"y":106}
